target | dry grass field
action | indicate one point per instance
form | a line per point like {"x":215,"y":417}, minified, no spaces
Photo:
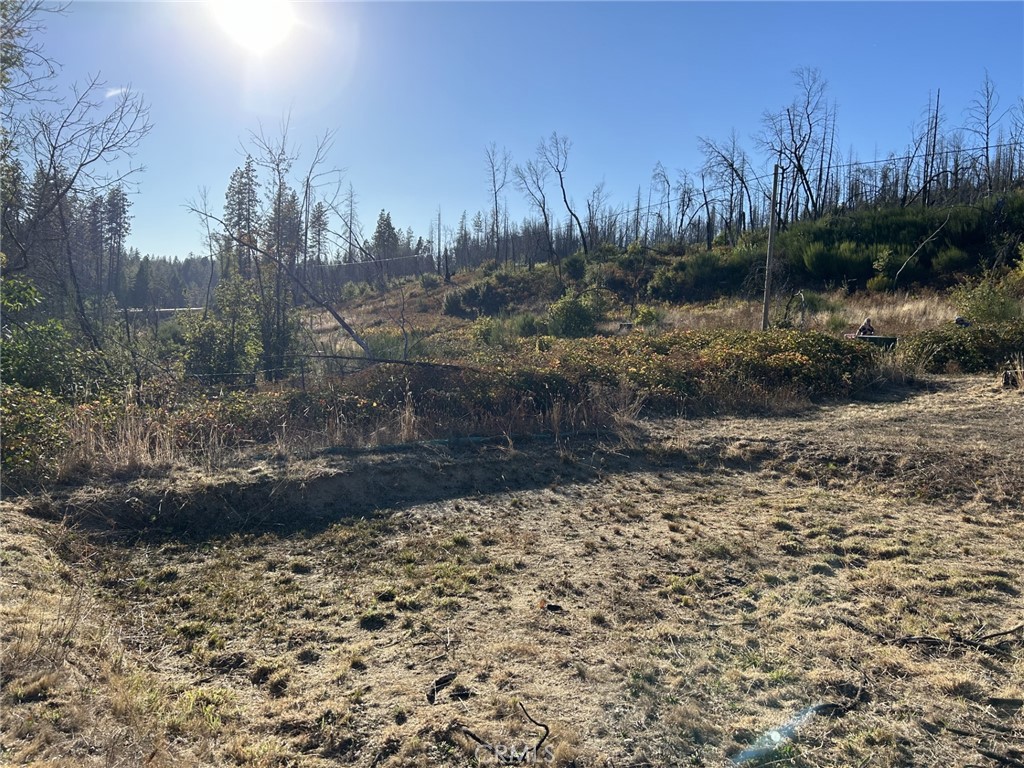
{"x":666,"y":598}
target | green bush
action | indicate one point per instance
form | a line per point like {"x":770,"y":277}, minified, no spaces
{"x":990,"y":298}
{"x":527,"y":326}
{"x":571,"y":317}
{"x":493,"y":332}
{"x":880,"y":284}
{"x":702,"y":275}
{"x":42,"y":356}
{"x":34,"y":435}
{"x":353,"y":290}
{"x":225,"y":346}
{"x":977,"y":348}
{"x":452,"y":305}
{"x":575,"y":267}
{"x":951,"y":261}
{"x":816,"y":302}
{"x":647,"y":316}
{"x":851,"y":261}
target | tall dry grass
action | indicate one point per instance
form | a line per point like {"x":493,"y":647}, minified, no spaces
{"x":133,"y":445}
{"x":833,"y":312}
{"x":899,"y":314}
{"x":731,"y":314}
{"x":1013,"y":375}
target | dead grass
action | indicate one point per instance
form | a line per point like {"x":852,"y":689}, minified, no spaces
{"x":663,"y":604}
{"x":891,"y":314}
{"x":136,"y":445}
{"x":899,"y":314}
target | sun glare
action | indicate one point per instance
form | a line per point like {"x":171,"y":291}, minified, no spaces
{"x":258,"y":26}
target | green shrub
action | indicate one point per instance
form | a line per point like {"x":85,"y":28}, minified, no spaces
{"x":575,"y":267}
{"x":849,"y":261}
{"x":977,"y":348}
{"x":952,"y":260}
{"x":429,"y":280}
{"x":816,"y":302}
{"x":880,"y":284}
{"x":527,"y":325}
{"x":34,"y":435}
{"x":486,"y":298}
{"x":389,"y":342}
{"x":647,"y":316}
{"x":452,"y":305}
{"x":225,"y":346}
{"x":570,"y":317}
{"x":990,"y":298}
{"x":42,"y":356}
{"x":353,"y":290}
{"x":701,"y":275}
{"x":493,"y":332}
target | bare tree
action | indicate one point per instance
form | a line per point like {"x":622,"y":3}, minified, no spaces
{"x":918,"y":168}
{"x":982,"y":119}
{"x":596,"y":214}
{"x":686,"y":194}
{"x":497,"y":176}
{"x":727,"y":165}
{"x":206,"y":215}
{"x":26,"y":71}
{"x":531,"y":180}
{"x":282,"y":231}
{"x":75,"y":145}
{"x":661,"y":183}
{"x":931,"y":151}
{"x":351,"y":230}
{"x":797,"y":136}
{"x":555,"y":153}
{"x":1016,"y":138}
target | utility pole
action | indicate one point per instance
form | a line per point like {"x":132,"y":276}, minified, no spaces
{"x":771,"y":245}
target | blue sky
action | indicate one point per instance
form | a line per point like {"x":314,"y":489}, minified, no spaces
{"x":416,"y":90}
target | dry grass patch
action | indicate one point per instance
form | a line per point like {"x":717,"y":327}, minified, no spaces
{"x":663,"y":606}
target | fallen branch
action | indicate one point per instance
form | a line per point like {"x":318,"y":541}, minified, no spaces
{"x":939,"y":642}
{"x":935,"y":642}
{"x":439,"y":685}
{"x":513,"y":757}
{"x":539,"y":725}
{"x":1011,"y":631}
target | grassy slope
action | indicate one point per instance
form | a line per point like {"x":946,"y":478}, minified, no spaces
{"x":660,"y":600}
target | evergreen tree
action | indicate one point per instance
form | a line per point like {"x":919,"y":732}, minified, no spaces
{"x":241,"y":217}
{"x":385,"y":245}
{"x":142,"y":290}
{"x":116,"y":227}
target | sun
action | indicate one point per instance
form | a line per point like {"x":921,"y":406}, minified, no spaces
{"x":258,"y":26}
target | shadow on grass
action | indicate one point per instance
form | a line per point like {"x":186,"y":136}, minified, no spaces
{"x":357,"y":484}
{"x":372,"y":483}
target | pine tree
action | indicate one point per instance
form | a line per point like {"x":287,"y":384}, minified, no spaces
{"x":241,"y":217}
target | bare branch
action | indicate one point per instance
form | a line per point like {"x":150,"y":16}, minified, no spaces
{"x":917,"y":250}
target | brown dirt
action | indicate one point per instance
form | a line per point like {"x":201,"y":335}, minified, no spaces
{"x":662,"y":598}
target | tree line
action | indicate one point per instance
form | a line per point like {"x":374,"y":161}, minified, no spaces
{"x":288,"y":234}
